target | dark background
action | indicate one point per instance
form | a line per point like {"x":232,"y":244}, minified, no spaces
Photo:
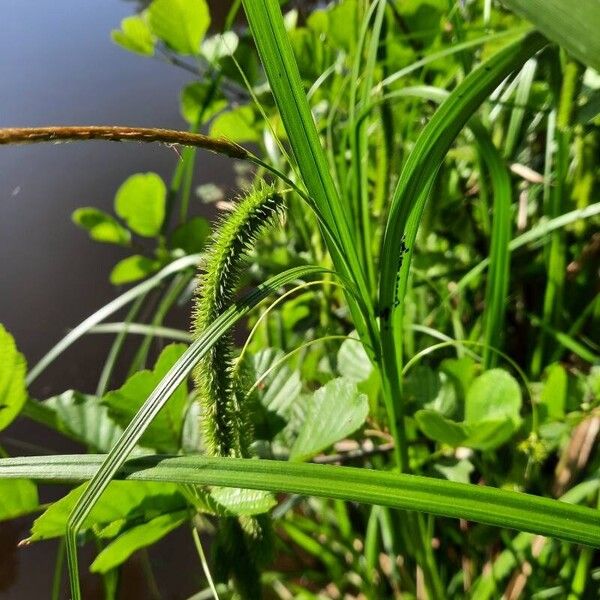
{"x":59,"y":66}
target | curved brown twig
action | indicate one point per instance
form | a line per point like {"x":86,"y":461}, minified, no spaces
{"x":59,"y":133}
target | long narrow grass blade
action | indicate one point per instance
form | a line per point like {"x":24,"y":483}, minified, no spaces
{"x":143,"y":329}
{"x":274,"y":48}
{"x":573,"y":25}
{"x":538,"y":232}
{"x":498,"y":276}
{"x":484,"y":504}
{"x":180,"y":370}
{"x":108,"y":309}
{"x":424,"y":161}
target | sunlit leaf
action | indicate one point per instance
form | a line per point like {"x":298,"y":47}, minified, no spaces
{"x":123,"y":501}
{"x":140,"y":536}
{"x":140,"y":201}
{"x":134,"y":35}
{"x":101,"y":226}
{"x":181,"y":24}
{"x":133,"y":268}
{"x":352,"y":360}
{"x":237,"y":125}
{"x":83,"y":417}
{"x":493,"y":395}
{"x":17,"y":497}
{"x":13,"y":367}
{"x":216,"y":47}
{"x":334,"y":411}
{"x":164,"y":433}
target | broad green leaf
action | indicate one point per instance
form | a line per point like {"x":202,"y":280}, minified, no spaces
{"x":489,"y":434}
{"x":240,"y":502}
{"x":132,"y":268}
{"x":164,"y":433}
{"x":124,"y":501}
{"x":334,"y":411}
{"x":493,"y":395}
{"x":83,"y":417}
{"x":137,"y":537}
{"x":218,"y":46}
{"x":101,"y":226}
{"x":190,"y":236}
{"x":276,"y":395}
{"x":441,"y":429}
{"x":281,"y":387}
{"x":573,"y":25}
{"x":140,"y":201}
{"x":555,"y":391}
{"x":237,"y":125}
{"x":17,"y":497}
{"x":161,"y":394}
{"x":353,"y":362}
{"x":134,"y":35}
{"x":13,"y":367}
{"x":181,"y":24}
{"x":343,"y":24}
{"x":417,"y":176}
{"x":431,"y":389}
{"x":461,"y":370}
{"x":195,"y":98}
{"x":483,"y":504}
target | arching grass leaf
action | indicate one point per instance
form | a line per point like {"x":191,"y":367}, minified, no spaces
{"x":164,"y":433}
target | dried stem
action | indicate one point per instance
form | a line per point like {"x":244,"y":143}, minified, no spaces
{"x":32,"y":135}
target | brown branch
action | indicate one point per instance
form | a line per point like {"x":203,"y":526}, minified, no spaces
{"x":33,"y":135}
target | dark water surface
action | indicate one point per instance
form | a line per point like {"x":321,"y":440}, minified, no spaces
{"x":58,"y":66}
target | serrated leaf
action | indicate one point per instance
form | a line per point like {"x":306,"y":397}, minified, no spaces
{"x":17,"y":497}
{"x":134,"y":35}
{"x":334,"y":411}
{"x":164,"y":433}
{"x":352,"y":360}
{"x":494,"y":395}
{"x":122,"y":501}
{"x":181,"y":24}
{"x":13,"y":367}
{"x":237,"y":125}
{"x":101,"y":226}
{"x":134,"y":539}
{"x":83,"y":417}
{"x":133,"y":268}
{"x":281,"y":388}
{"x":141,"y":201}
{"x":241,"y":502}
